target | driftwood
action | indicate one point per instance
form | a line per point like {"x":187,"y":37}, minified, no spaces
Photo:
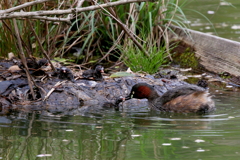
{"x":216,"y":54}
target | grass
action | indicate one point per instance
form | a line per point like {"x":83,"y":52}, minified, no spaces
{"x":153,"y":30}
{"x":139,"y":62}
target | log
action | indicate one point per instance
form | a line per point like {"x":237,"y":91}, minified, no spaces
{"x":216,"y":54}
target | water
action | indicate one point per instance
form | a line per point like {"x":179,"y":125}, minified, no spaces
{"x":136,"y":134}
{"x":224,"y":17}
{"x":129,"y":134}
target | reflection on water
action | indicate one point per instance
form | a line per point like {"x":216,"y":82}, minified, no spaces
{"x":223,"y":16}
{"x":125,"y":135}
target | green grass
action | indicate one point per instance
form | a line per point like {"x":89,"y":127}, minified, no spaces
{"x":139,"y":62}
{"x":152,"y":29}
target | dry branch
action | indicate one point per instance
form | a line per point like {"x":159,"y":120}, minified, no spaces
{"x":54,"y":19}
{"x":27,"y":4}
{"x":6,"y":15}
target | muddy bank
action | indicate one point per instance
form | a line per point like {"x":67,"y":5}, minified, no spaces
{"x":83,"y":96}
{"x":74,"y":98}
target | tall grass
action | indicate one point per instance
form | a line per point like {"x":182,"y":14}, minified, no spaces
{"x":151,"y":22}
{"x":46,"y":31}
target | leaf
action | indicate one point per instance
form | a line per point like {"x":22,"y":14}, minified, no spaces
{"x":121,"y":74}
{"x":60,"y":59}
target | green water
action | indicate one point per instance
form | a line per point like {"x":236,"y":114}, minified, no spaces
{"x":217,"y":17}
{"x":128,"y":134}
{"x":136,"y":134}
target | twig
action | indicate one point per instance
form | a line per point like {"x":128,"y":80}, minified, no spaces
{"x":40,"y":45}
{"x":165,"y":34}
{"x":54,"y":19}
{"x":79,"y":3}
{"x":23,"y":59}
{"x":11,"y":31}
{"x":56,"y":85}
{"x":113,"y":46}
{"x":127,"y":31}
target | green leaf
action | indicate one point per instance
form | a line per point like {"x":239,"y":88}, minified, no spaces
{"x":121,"y":74}
{"x":60,"y":59}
